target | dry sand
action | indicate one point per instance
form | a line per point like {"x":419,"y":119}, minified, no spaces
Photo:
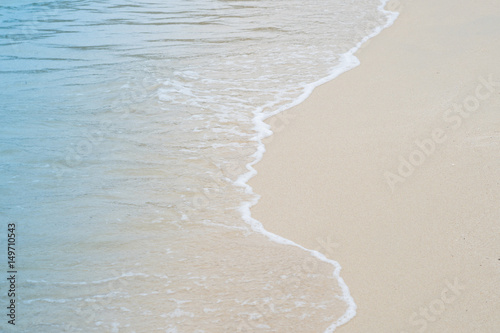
{"x":425,"y":254}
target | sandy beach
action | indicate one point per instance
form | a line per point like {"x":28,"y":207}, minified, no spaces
{"x":397,"y":164}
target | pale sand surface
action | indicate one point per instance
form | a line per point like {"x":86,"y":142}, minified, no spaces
{"x":323,"y":173}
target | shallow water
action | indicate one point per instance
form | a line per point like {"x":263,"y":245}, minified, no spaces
{"x":128,"y":131}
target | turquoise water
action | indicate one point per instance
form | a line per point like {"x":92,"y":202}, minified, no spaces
{"x":128,"y":128}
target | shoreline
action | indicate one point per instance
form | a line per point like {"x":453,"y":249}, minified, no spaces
{"x":349,"y":60}
{"x":329,"y":170}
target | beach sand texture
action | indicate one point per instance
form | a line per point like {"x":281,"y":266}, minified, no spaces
{"x":396,"y":164}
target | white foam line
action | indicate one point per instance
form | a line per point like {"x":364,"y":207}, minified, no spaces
{"x":348,"y":62}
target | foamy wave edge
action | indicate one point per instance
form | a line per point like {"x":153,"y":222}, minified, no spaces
{"x":348,"y":62}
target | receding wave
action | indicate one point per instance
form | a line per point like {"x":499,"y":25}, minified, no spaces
{"x":130,"y":132}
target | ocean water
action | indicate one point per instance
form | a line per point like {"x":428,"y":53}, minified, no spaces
{"x":129,"y":130}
